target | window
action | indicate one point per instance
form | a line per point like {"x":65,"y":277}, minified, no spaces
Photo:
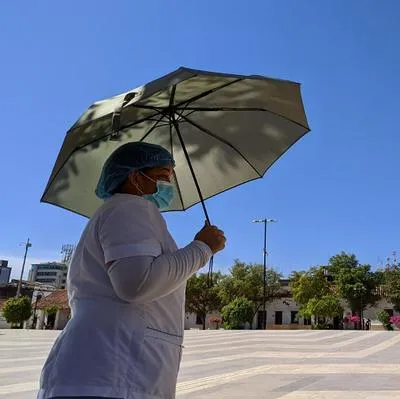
{"x":45,"y":280}
{"x":293,"y":317}
{"x":307,"y":321}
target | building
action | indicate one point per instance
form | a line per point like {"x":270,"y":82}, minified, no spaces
{"x":57,"y":302}
{"x":5,"y":272}
{"x":51,"y":273}
{"x":282,"y":312}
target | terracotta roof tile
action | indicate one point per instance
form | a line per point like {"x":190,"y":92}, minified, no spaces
{"x":57,"y":298}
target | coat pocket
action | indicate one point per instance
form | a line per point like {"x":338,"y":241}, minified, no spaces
{"x":158,"y":370}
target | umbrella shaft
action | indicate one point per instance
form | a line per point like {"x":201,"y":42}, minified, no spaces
{"x":178,"y":132}
{"x":176,"y":125}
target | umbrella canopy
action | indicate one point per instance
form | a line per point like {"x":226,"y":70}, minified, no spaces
{"x":223,"y":130}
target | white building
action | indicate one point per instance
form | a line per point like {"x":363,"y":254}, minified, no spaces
{"x":51,"y":273}
{"x":282,"y":313}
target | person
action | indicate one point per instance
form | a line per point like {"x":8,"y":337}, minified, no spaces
{"x":368,"y":324}
{"x":126,"y":286}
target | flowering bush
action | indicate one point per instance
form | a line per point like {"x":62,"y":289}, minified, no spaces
{"x":395,"y":320}
{"x":355,"y":319}
{"x":215,"y":320}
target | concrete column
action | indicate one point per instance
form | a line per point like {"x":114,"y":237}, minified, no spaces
{"x":40,"y":320}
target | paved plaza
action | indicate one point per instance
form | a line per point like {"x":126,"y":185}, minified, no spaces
{"x":245,"y":364}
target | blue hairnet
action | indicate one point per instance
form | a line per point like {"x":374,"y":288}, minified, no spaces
{"x":129,"y":158}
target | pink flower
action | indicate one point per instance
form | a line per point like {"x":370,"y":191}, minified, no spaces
{"x":215,"y":320}
{"x":395,"y":320}
{"x":355,"y":319}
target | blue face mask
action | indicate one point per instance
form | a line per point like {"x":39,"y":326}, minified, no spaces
{"x":164,"y":195}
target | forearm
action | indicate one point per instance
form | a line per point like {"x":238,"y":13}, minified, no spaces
{"x":144,"y":279}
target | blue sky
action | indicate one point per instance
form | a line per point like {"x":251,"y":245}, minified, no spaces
{"x":336,"y":189}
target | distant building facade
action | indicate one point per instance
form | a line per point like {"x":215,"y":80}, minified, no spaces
{"x":5,"y":272}
{"x":51,"y":273}
{"x":282,"y":312}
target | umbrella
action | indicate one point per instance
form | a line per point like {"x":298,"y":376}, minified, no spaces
{"x":222,"y":129}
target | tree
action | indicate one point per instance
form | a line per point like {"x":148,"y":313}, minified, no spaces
{"x":313,"y":291}
{"x":17,"y":310}
{"x":310,"y":284}
{"x":391,"y":279}
{"x":326,"y":306}
{"x":355,"y":283}
{"x":247,"y":281}
{"x":384,"y":318}
{"x":201,"y":298}
{"x":51,"y":312}
{"x":238,"y":312}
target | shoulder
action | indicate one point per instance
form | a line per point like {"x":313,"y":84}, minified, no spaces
{"x":128,"y":212}
{"x":124,"y":206}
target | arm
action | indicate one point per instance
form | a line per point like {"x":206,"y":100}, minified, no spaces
{"x":137,"y":268}
{"x":142,"y":279}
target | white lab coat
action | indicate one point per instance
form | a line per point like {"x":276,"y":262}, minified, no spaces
{"x":110,"y":347}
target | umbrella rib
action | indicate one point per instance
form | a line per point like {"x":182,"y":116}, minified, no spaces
{"x":196,"y":183}
{"x":78,"y":148}
{"x":152,"y":128}
{"x":176,"y":179}
{"x":245,"y":109}
{"x":206,"y":131}
{"x":188,"y":101}
{"x":206,"y":93}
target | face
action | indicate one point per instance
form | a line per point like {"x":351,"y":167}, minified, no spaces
{"x":148,"y":184}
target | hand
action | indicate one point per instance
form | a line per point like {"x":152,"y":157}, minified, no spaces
{"x":213,"y":237}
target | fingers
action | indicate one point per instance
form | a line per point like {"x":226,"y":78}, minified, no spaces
{"x":216,"y":231}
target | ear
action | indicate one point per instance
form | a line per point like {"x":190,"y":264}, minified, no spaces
{"x":133,"y":177}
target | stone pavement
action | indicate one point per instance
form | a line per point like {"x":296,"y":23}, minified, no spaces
{"x":245,"y":364}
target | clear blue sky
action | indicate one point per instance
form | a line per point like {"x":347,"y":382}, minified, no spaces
{"x":337,"y":189}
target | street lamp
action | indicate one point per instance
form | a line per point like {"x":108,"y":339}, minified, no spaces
{"x":265,"y":221}
{"x":27,"y":244}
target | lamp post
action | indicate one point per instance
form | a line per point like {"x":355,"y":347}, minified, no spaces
{"x":265,"y":221}
{"x":27,"y":244}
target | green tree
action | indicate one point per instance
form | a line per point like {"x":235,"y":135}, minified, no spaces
{"x":356,"y":283}
{"x":52,"y":310}
{"x":391,"y":280}
{"x":201,"y":298}
{"x":314,"y":292}
{"x":310,"y":284}
{"x":17,"y":310}
{"x":247,"y":281}
{"x":236,"y":313}
{"x":326,"y":306}
{"x":384,"y":318}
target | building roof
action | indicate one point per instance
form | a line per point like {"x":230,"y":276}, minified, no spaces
{"x":57,"y":298}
